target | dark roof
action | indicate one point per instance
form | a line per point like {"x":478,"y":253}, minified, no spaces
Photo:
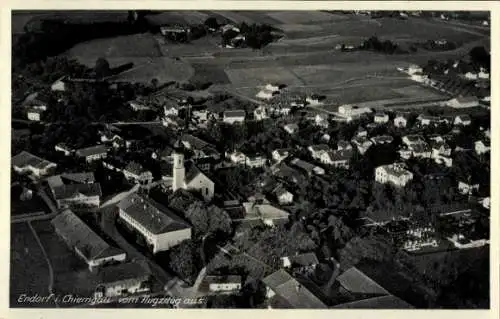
{"x":154,"y":217}
{"x":342,"y":155}
{"x":70,"y":190}
{"x":79,"y":235}
{"x":195,"y":142}
{"x":355,"y":281}
{"x":235,"y":113}
{"x":85,"y":177}
{"x":381,"y":302}
{"x":308,"y":167}
{"x":93,"y":150}
{"x":319,"y":147}
{"x":292,"y":291}
{"x":24,"y":159}
{"x":135,"y":168}
{"x":134,"y":270}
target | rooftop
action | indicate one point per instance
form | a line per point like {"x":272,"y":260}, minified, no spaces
{"x":134,"y":270}
{"x":85,"y":177}
{"x":79,"y":235}
{"x":72,"y":190}
{"x":92,"y":150}
{"x":395,"y":170}
{"x":305,"y":259}
{"x":24,"y":159}
{"x":154,"y":217}
{"x":235,"y":113}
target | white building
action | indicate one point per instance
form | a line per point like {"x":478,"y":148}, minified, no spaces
{"x":482,"y":147}
{"x":337,"y":158}
{"x":160,"y":227}
{"x":75,"y":196}
{"x":463,"y":102}
{"x":344,"y":145}
{"x":381,"y":118}
{"x":34,"y":115}
{"x":393,"y":174}
{"x":279,"y":155}
{"x":318,"y":150}
{"x":283,"y":196}
{"x":171,"y":110}
{"x":351,"y":112}
{"x":124,"y":279}
{"x":25,"y":162}
{"x":61,"y":147}
{"x":93,"y":153}
{"x":192,"y":179}
{"x":59,"y":85}
{"x":255,"y":161}
{"x":234,"y":116}
{"x":226,"y":284}
{"x":238,"y":158}
{"x":467,"y":188}
{"x":464,"y":120}
{"x":321,"y":120}
{"x":291,"y":128}
{"x":135,"y":172}
{"x":260,"y":113}
{"x":84,"y":241}
{"x":362,"y":144}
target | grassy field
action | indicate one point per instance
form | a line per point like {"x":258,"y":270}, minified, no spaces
{"x":29,"y":273}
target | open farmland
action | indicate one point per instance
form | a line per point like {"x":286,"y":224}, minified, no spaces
{"x":177,"y":17}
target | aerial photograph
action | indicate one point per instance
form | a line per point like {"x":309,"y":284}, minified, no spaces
{"x":250,"y":159}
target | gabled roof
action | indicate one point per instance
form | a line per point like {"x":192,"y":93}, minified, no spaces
{"x":292,"y":291}
{"x":151,"y":215}
{"x":235,"y":113}
{"x":464,"y":117}
{"x":467,"y":99}
{"x":355,"y":281}
{"x":93,"y":150}
{"x":306,"y":259}
{"x":340,"y":156}
{"x":24,"y":159}
{"x":79,"y":235}
{"x":135,"y":168}
{"x":195,"y":142}
{"x":85,"y":177}
{"x":192,"y":171}
{"x":381,"y":302}
{"x":319,"y":148}
{"x":130,"y":271}
{"x":71,"y":190}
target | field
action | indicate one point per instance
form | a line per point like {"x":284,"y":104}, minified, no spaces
{"x":29,"y":273}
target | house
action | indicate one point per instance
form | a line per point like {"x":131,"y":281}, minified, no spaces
{"x":362,"y":143}
{"x":267,"y":94}
{"x":26,"y":162}
{"x":159,"y":226}
{"x":61,"y":147}
{"x":92,"y":153}
{"x":400,"y":121}
{"x":191,"y":178}
{"x":436,"y":138}
{"x":237,"y":158}
{"x":440,"y":149}
{"x":467,"y":188}
{"x":268,"y":214}
{"x":426,"y":120}
{"x":171,"y":110}
{"x":260,"y":113}
{"x":75,"y":196}
{"x":123,"y":279}
{"x":199,"y":147}
{"x":463,"y":102}
{"x":482,"y":147}
{"x":309,"y":168}
{"x":410,"y":140}
{"x":85,"y":242}
{"x":318,"y":150}
{"x":234,"y":116}
{"x":393,"y":174}
{"x":279,"y":155}
{"x":220,"y":284}
{"x":174,"y":122}
{"x":134,"y":171}
{"x":138,"y":106}
{"x":382,"y":139}
{"x":284,"y":291}
{"x":301,"y":262}
{"x":361,"y":132}
{"x":291,"y":128}
{"x":314,"y":100}
{"x":59,"y":85}
{"x":351,"y":112}
{"x":255,"y":161}
{"x":163,"y":155}
{"x":381,"y":118}
{"x":337,"y":158}
{"x":422,"y":150}
{"x":344,"y":146}
{"x":283,"y":195}
{"x":34,"y":114}
{"x":462,"y":120}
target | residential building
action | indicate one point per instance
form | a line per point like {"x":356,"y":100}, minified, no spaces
{"x":318,"y":150}
{"x":426,"y":120}
{"x":307,"y":167}
{"x":362,"y":144}
{"x":260,"y":113}
{"x":26,"y":162}
{"x":291,"y":128}
{"x":92,"y":153}
{"x":382,"y":139}
{"x":234,"y":116}
{"x":85,"y":242}
{"x":123,"y":279}
{"x":164,"y":154}
{"x":61,"y":147}
{"x":350,"y":112}
{"x":191,"y":179}
{"x":279,"y":155}
{"x":463,"y":120}
{"x":381,"y":118}
{"x":59,"y":85}
{"x":220,"y":284}
{"x":305,"y":262}
{"x":463,"y":102}
{"x":421,"y":150}
{"x":466,"y":188}
{"x":255,"y":161}
{"x":344,"y":146}
{"x":199,"y":147}
{"x":410,"y":140}
{"x":75,"y":196}
{"x":337,"y":158}
{"x":134,"y":171}
{"x":284,"y":291}
{"x":238,"y":158}
{"x":400,"y":120}
{"x":440,"y":149}
{"x":321,"y":120}
{"x":34,"y":114}
{"x":171,"y":110}
{"x":159,"y":226}
{"x":268,"y":214}
{"x":138,"y":106}
{"x":361,"y":132}
{"x":482,"y":147}
{"x":394,"y":174}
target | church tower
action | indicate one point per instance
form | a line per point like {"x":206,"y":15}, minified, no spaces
{"x":179,"y":172}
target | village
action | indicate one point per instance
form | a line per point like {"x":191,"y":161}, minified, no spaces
{"x":281,"y":199}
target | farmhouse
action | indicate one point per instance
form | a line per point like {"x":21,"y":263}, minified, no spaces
{"x":255,"y":160}
{"x":265,"y":212}
{"x":92,"y":153}
{"x":394,"y":174}
{"x":381,"y":118}
{"x":314,"y":100}
{"x":237,"y":158}
{"x":463,"y":102}
{"x":74,"y":196}
{"x":191,"y":179}
{"x":135,"y":172}
{"x":234,"y":116}
{"x":337,"y":158}
{"x":410,"y":140}
{"x":421,"y":150}
{"x":85,"y":242}
{"x":284,"y":291}
{"x":291,"y":128}
{"x":123,"y":279}
{"x":200,"y":148}
{"x":400,"y":121}
{"x":161,"y":228}
{"x":428,"y":120}
{"x":440,"y":149}
{"x":351,"y":112}
{"x":463,"y":120}
{"x":25,"y":162}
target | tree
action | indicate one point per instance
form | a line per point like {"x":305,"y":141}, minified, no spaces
{"x":184,"y":260}
{"x":211,"y":22}
{"x":208,"y":220}
{"x":102,"y":68}
{"x":480,"y":57}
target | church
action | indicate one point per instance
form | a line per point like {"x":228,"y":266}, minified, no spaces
{"x":191,"y":178}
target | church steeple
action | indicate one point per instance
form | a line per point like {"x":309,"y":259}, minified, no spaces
{"x":179,"y":171}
